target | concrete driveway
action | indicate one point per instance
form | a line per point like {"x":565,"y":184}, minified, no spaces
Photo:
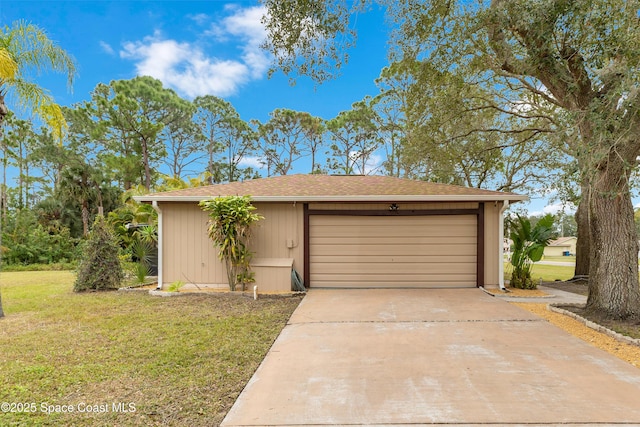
{"x":432,"y":356}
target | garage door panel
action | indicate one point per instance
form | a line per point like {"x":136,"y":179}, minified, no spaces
{"x":393,"y":240}
{"x":417,"y":220}
{"x":384,"y":258}
{"x":424,"y":268}
{"x":392,"y":280}
{"x":433,"y":231}
{"x":396,"y":250}
{"x":388,"y":251}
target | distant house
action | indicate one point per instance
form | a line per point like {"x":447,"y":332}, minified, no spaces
{"x":561,"y":246}
{"x":506,"y":245}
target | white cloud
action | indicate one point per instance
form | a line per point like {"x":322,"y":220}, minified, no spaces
{"x":245,"y":25}
{"x":107,"y":48}
{"x":199,"y":18}
{"x":191,"y":70}
{"x":185,"y":67}
{"x":566,"y":208}
{"x":371,"y":166}
{"x":253,"y":162}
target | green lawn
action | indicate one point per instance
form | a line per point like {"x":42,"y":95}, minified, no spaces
{"x":548,"y":273}
{"x":560,"y":258}
{"x":179,"y":361}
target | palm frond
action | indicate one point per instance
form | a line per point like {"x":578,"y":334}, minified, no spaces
{"x":32,"y":50}
{"x":8,"y":67}
{"x":26,"y":49}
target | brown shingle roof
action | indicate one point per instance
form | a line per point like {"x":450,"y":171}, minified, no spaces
{"x":562,"y":241}
{"x":333,"y":187}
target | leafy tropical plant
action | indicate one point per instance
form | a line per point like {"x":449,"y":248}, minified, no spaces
{"x":528,"y":247}
{"x":142,"y":253}
{"x":175,"y":286}
{"x":230,"y":220}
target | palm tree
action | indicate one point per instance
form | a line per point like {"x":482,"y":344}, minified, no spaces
{"x":25,"y":49}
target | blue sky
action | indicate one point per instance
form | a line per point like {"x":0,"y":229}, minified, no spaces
{"x":197,"y":48}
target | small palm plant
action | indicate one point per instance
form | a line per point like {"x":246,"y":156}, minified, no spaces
{"x":144,"y":250}
{"x":528,"y":247}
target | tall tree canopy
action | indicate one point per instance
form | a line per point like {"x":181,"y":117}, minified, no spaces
{"x":567,"y":68}
{"x":287,"y":136}
{"x":228,"y":139}
{"x":126,"y":117}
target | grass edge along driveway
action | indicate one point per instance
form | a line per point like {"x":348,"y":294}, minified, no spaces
{"x":126,"y":358}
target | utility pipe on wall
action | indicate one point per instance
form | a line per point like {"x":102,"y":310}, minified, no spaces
{"x":504,"y":207}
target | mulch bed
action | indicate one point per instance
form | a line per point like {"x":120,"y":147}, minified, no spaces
{"x":630,"y":328}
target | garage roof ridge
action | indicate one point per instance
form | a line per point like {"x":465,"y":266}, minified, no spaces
{"x":334,"y":188}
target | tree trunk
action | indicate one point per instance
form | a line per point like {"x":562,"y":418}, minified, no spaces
{"x":3,"y":108}
{"x":583,"y":235}
{"x":85,"y":218}
{"x":3,"y":113}
{"x":613,"y":275}
{"x":3,"y":193}
{"x":147,"y":168}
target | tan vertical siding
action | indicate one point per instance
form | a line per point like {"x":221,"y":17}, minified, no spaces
{"x":282,"y":224}
{"x":492,"y":246}
{"x":555,"y":250}
{"x":190,"y":256}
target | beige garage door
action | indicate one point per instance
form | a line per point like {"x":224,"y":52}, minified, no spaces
{"x":390,"y":251}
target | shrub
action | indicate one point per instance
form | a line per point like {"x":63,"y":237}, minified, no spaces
{"x":230,"y":220}
{"x":100,"y":267}
{"x":26,"y":241}
{"x":528,"y":247}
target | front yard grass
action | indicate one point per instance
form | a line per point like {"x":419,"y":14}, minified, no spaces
{"x":559,"y":258}
{"x":548,"y":273}
{"x":179,"y":361}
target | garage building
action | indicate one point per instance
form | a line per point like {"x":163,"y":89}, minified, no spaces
{"x":342,"y":232}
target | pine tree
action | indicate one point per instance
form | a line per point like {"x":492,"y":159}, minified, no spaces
{"x":100,"y":267}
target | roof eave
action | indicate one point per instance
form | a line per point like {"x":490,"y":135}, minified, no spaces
{"x":512,"y":198}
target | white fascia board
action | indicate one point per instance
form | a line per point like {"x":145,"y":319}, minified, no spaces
{"x":377,"y":198}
